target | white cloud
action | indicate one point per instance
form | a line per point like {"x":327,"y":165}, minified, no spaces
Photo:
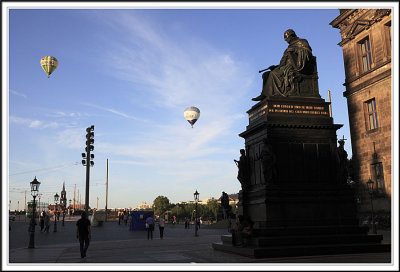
{"x":18,"y":94}
{"x":174,"y":71}
{"x":71,"y":138}
{"x":116,"y":112}
{"x":36,"y":124}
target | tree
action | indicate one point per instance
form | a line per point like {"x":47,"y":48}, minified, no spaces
{"x":161,"y":205}
{"x":212,"y":207}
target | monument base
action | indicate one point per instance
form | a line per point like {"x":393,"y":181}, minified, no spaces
{"x":305,"y":245}
{"x":303,"y":206}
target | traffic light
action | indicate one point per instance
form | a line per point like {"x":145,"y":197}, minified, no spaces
{"x":87,"y":158}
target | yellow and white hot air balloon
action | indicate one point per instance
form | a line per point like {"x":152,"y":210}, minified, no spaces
{"x":192,"y":114}
{"x":49,"y":64}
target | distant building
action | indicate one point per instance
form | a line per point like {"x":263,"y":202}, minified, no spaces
{"x":143,"y":206}
{"x":366,"y":42}
{"x":63,"y":197}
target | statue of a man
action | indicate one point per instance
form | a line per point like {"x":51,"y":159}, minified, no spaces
{"x":268,"y":160}
{"x":226,"y":208}
{"x":242,"y":168}
{"x":279,"y":80}
{"x":343,"y":173}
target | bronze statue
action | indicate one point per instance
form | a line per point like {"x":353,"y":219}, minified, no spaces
{"x":268,"y":160}
{"x":226,"y":208}
{"x":280,"y":79}
{"x":242,"y":168}
{"x":343,"y":171}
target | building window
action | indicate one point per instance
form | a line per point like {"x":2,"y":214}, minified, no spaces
{"x":372,"y":115}
{"x":366,"y":54}
{"x":379,"y":178}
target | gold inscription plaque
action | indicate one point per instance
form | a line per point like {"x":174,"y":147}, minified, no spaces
{"x":289,"y":109}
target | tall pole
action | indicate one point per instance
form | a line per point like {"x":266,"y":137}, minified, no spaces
{"x":330,"y":104}
{"x":55,"y":219}
{"x":32,"y":226}
{"x":87,"y":180}
{"x":74,"y":196}
{"x":106,"y":187}
{"x":25,"y":202}
{"x":97,"y":207}
{"x":89,"y":163}
{"x":372,"y":214}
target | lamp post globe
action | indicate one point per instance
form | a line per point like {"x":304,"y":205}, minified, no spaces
{"x":196,"y":226}
{"x":34,"y":192}
{"x":370,"y":185}
{"x":56,"y":197}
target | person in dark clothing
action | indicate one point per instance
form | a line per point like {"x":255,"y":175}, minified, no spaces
{"x":150,"y":227}
{"x":83,"y":233}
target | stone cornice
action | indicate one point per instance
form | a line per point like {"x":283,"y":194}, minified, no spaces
{"x":353,"y":22}
{"x":383,"y":75}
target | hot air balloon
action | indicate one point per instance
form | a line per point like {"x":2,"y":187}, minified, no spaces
{"x":192,"y":114}
{"x":49,"y":64}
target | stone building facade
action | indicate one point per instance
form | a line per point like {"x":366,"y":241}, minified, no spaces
{"x":366,"y":43}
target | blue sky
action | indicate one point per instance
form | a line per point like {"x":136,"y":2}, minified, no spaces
{"x":131,"y":73}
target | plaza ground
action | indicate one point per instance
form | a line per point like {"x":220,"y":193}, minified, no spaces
{"x":116,"y":244}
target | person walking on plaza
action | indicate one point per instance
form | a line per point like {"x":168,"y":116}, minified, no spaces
{"x":119,"y":217}
{"x":42,"y":221}
{"x":46,"y":222}
{"x":126,"y":217}
{"x":83,"y":233}
{"x":150,"y":227}
{"x":161,"y":225}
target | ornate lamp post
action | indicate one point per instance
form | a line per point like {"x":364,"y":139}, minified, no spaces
{"x":63,"y":210}
{"x":56,"y":196}
{"x":69,"y":208}
{"x":196,"y":227}
{"x":34,"y":192}
{"x":370,"y":185}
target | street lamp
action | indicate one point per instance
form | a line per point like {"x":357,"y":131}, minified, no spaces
{"x":69,"y":208}
{"x":370,"y":185}
{"x":196,"y":228}
{"x":34,"y":192}
{"x":56,"y":196}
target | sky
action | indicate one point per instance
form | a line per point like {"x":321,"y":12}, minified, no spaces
{"x":131,"y":72}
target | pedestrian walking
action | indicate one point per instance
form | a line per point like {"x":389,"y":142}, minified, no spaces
{"x":83,"y":233}
{"x":119,"y":217}
{"x":42,"y":220}
{"x":150,"y":227}
{"x":130,"y":220}
{"x":161,"y":225}
{"x":126,"y":218}
{"x":46,"y":222}
{"x":186,"y":223}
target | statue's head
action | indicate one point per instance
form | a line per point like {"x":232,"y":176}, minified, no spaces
{"x":242,"y":151}
{"x":289,"y":34}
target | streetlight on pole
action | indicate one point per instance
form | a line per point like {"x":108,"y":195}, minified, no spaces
{"x":56,"y":196}
{"x":196,"y":228}
{"x":34,"y":192}
{"x":69,"y":208}
{"x":370,"y":185}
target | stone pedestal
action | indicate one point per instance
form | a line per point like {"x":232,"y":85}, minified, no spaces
{"x":305,"y":203}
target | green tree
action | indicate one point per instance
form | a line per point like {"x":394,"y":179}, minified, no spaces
{"x":212,"y":207}
{"x":161,"y":205}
